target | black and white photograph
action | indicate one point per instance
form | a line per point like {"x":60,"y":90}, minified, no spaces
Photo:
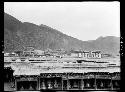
{"x":62,"y":46}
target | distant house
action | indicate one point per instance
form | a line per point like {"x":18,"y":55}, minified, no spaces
{"x":13,"y":54}
{"x":75,"y":53}
{"x":86,"y":54}
{"x":28,"y":52}
{"x":38,"y":52}
{"x":6,"y":54}
{"x":19,"y":53}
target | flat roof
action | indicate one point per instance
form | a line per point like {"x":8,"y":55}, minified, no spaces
{"x":63,"y":70}
{"x":37,"y":68}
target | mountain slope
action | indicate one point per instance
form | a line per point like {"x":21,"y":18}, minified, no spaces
{"x":18,"y":35}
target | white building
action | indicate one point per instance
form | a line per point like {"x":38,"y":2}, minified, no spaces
{"x":86,"y":54}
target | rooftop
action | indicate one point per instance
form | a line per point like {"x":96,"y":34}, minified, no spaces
{"x":29,"y":69}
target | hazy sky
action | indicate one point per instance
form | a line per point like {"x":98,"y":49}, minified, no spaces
{"x":82,"y":20}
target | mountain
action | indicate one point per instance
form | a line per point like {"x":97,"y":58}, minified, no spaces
{"x":18,"y":35}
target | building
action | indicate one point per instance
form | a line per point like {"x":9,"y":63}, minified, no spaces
{"x":34,"y":78}
{"x":86,"y":54}
{"x":68,"y":81}
{"x":41,"y":74}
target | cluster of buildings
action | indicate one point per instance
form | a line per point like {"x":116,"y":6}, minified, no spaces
{"x":31,"y":52}
{"x":25,"y":77}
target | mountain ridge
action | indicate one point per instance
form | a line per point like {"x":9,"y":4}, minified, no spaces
{"x":18,"y":35}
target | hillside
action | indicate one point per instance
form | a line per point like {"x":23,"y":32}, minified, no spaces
{"x":18,"y":35}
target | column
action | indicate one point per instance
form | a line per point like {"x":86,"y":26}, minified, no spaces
{"x":62,"y":84}
{"x":15,"y":84}
{"x":67,"y":81}
{"x":111,"y":84}
{"x":95,"y":83}
{"x":82,"y":84}
{"x":38,"y":83}
{"x":43,"y":85}
{"x":68,"y":84}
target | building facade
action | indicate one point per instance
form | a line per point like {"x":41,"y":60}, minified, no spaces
{"x":68,"y":81}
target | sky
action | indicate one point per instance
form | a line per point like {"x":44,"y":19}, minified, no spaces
{"x":81,"y":20}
